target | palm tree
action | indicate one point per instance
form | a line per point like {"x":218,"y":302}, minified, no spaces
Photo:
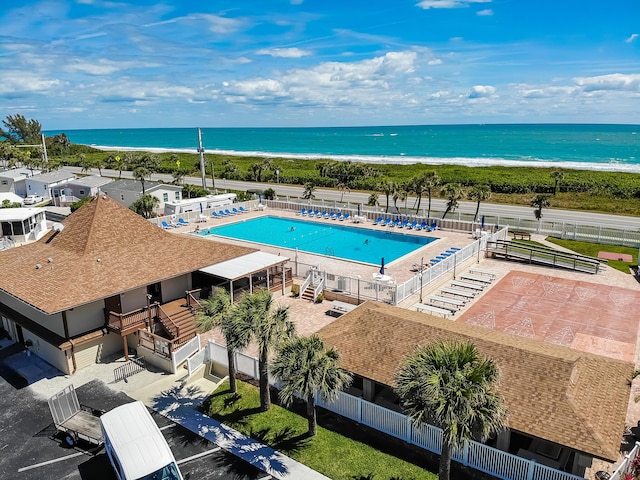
{"x":268,"y":326}
{"x":307,"y":367}
{"x":558,"y":176}
{"x":538,"y":203}
{"x":217,"y":312}
{"x":144,"y":166}
{"x":309,"y":188}
{"x":479,"y":193}
{"x":343,"y":187}
{"x":452,"y":192}
{"x":430,"y":180}
{"x":85,"y":163}
{"x":145,"y":205}
{"x":452,"y":386}
{"x":372,"y":201}
{"x":387,"y":187}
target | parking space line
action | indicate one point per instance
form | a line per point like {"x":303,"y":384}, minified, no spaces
{"x":268,"y":477}
{"x":167,"y":426}
{"x":49,"y":462}
{"x":199,"y":455}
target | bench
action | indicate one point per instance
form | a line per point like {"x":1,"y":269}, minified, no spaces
{"x":340,"y":308}
{"x":422,"y":307}
{"x":476,"y":278}
{"x":471,"y":286}
{"x":468,"y":294}
{"x":454,"y":302}
{"x":481,"y":271}
{"x":521,"y":235}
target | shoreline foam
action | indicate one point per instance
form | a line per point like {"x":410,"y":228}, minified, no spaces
{"x":611,"y":166}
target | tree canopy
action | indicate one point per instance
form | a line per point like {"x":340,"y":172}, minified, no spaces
{"x":17,"y":129}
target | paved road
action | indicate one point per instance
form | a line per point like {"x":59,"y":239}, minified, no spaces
{"x":509,"y":211}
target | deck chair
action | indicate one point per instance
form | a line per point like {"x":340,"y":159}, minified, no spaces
{"x":182,"y":221}
{"x":165,"y":225}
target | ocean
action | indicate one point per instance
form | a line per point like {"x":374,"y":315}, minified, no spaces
{"x":593,"y":147}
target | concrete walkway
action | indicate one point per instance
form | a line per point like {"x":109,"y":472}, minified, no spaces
{"x":179,"y":402}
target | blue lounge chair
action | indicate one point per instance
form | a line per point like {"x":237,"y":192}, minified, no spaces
{"x":386,"y":223}
{"x":403,"y":224}
{"x":228,"y":212}
{"x":235,"y":211}
{"x":345,"y":217}
{"x":242,"y":210}
{"x":182,"y":221}
{"x":215,"y":215}
{"x":222,"y":214}
{"x":332,"y":215}
{"x":378,"y":220}
{"x":413,"y":225}
{"x":337,"y":217}
{"x":422,"y":226}
{"x":165,"y":225}
{"x":455,"y":249}
{"x":323,"y":214}
{"x":434,"y":260}
{"x":395,"y":223}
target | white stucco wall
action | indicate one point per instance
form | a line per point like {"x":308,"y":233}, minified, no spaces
{"x":51,"y":322}
{"x":86,"y":317}
{"x":133,"y":299}
{"x":174,"y":288}
{"x":47,"y":352}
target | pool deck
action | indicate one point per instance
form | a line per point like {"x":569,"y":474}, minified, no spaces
{"x":618,"y":290}
{"x":400,"y":270}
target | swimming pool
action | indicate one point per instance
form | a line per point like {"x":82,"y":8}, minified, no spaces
{"x":327,"y":237}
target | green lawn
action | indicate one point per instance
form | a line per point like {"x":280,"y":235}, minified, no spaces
{"x":334,"y":455}
{"x":592,"y":249}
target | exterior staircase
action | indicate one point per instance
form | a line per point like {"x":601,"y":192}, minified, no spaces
{"x":308,"y":293}
{"x":181,"y":316}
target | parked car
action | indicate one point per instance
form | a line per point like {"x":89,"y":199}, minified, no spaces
{"x":33,"y":200}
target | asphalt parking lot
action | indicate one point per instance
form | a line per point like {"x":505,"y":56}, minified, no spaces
{"x":30,"y":449}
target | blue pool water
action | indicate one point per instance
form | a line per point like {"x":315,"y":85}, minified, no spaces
{"x":325,"y":237}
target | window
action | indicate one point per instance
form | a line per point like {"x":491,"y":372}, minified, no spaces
{"x":177,"y":195}
{"x":165,"y":197}
{"x":81,"y":192}
{"x":5,"y":182}
{"x":122,"y":197}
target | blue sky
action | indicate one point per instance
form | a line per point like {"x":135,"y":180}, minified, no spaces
{"x":112,"y":64}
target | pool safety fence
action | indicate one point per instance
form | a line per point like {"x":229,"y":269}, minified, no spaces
{"x":391,"y":292}
{"x":476,"y":455}
{"x":584,"y":232}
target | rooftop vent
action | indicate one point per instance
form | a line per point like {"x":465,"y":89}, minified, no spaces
{"x":38,"y":266}
{"x":50,"y":260}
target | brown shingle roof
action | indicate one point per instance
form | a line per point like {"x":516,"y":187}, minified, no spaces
{"x":562,"y":395}
{"x":104,"y":249}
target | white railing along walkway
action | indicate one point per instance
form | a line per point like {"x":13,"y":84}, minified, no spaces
{"x":476,"y":455}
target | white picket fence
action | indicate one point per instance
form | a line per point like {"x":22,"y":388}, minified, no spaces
{"x":476,"y":455}
{"x":626,"y":466}
{"x":185,"y":351}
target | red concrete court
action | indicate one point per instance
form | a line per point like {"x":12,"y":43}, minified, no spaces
{"x":600,"y":319}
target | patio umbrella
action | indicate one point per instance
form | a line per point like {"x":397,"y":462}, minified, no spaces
{"x":358,"y":209}
{"x":201,"y":209}
{"x":382,"y":266}
{"x":482,"y":224}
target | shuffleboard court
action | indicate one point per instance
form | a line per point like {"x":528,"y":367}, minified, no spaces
{"x":599,"y":319}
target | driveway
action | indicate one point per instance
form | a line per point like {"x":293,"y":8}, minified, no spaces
{"x":29,"y":450}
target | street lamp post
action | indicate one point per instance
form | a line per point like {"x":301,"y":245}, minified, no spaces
{"x":277,"y":175}
{"x":421,"y":275}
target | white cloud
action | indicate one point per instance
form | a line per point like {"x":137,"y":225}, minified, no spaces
{"x":614,"y":81}
{"x":16,"y":83}
{"x":546,"y":92}
{"x":631,"y":38}
{"x":481,"y":91}
{"x":427,"y":4}
{"x":284,"y":52}
{"x":485,"y":13}
{"x":435,"y":61}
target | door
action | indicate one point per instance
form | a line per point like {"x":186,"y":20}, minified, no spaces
{"x":113,"y":304}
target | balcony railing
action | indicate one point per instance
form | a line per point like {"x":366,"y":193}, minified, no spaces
{"x":130,"y":320}
{"x":163,"y":346}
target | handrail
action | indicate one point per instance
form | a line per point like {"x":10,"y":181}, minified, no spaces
{"x":167,"y":323}
{"x":318,"y":289}
{"x":191,"y":300}
{"x":123,"y":321}
{"x":306,"y":283}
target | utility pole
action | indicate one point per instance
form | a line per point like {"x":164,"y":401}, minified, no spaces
{"x":201,"y":152}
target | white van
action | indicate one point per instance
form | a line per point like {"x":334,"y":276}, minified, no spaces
{"x":135,"y":445}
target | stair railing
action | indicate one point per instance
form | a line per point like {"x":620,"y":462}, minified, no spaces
{"x":318,"y":290}
{"x":167,"y":323}
{"x":306,"y":283}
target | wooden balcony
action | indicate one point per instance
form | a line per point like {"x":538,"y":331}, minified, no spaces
{"x":126,"y":323}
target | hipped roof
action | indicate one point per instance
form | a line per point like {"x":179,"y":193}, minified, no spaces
{"x":565,"y":396}
{"x":104,"y":249}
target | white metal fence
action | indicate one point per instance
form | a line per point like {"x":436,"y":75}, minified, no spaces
{"x":184,"y":352}
{"x":474,"y":454}
{"x":627,"y":464}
